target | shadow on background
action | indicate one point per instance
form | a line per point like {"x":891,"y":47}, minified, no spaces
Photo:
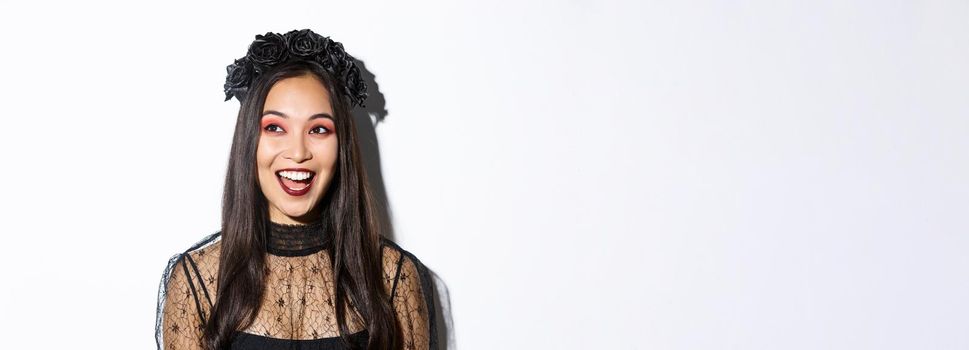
{"x":367,"y":119}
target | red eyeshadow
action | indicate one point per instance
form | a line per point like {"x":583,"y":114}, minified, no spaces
{"x":269,"y":120}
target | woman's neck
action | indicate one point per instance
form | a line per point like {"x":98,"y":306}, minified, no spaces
{"x":297,"y":239}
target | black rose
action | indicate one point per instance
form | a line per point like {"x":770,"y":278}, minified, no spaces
{"x":267,"y":50}
{"x":324,"y":60}
{"x":323,"y":57}
{"x":305,"y":43}
{"x":348,"y":62}
{"x":337,"y":56}
{"x":238,"y":75}
{"x":354,"y":86}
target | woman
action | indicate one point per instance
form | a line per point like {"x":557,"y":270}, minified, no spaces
{"x":299,"y":261}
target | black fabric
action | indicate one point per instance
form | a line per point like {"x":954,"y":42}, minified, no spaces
{"x":297,"y":311}
{"x":246,"y":341}
{"x":296,"y":240}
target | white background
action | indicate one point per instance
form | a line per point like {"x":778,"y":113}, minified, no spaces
{"x":578,"y":174}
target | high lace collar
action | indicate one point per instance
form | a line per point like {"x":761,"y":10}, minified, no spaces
{"x":296,"y":239}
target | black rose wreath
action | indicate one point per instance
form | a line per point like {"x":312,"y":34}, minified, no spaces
{"x":271,"y":49}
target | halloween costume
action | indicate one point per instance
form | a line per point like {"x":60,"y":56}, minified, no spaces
{"x":297,"y":309}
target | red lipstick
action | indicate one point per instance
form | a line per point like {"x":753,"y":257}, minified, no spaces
{"x":296,"y":187}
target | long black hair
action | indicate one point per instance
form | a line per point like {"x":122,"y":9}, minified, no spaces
{"x":348,"y":206}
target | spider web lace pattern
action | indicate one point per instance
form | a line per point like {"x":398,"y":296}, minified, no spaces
{"x":298,"y":300}
{"x":165,"y":299}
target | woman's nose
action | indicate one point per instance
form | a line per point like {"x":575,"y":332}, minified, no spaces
{"x":298,"y":152}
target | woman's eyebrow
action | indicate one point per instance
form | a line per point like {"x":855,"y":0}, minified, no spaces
{"x":281,"y":114}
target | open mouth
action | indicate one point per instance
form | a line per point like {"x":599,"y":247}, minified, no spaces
{"x":295,"y":182}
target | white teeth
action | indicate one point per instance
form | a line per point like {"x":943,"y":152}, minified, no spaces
{"x":295,"y":175}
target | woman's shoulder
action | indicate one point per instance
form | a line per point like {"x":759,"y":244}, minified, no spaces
{"x":187,"y":284}
{"x":199,"y":260}
{"x":410,"y":286}
{"x":399,"y":264}
{"x":394,"y":254}
{"x":204,"y":251}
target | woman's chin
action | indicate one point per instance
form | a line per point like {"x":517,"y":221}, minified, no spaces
{"x":295,"y":210}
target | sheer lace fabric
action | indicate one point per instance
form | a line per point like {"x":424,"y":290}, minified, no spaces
{"x":298,"y":308}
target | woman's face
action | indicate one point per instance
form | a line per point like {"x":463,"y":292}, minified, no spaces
{"x":297,"y":148}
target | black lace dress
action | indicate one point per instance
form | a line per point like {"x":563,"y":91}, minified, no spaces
{"x":297,"y":310}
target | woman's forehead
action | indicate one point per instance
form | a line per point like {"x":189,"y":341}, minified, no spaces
{"x":300,"y":97}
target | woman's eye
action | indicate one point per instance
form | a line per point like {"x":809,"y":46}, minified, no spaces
{"x":321,"y":128}
{"x":271,"y":126}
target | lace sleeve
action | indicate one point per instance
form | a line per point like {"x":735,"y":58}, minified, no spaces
{"x":178,"y":322}
{"x":411,"y":300}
